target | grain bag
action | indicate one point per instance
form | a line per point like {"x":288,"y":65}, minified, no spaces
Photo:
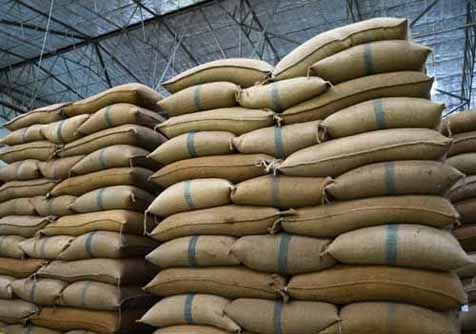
{"x":64,"y":131}
{"x":6,"y":291}
{"x":459,"y":122}
{"x":17,"y":207}
{"x":39,"y":291}
{"x":465,"y":163}
{"x":20,"y":171}
{"x":20,"y":329}
{"x":25,"y":226}
{"x":10,"y":246}
{"x":467,"y":210}
{"x":53,"y":206}
{"x":241,"y":71}
{"x":187,"y":329}
{"x":465,"y":188}
{"x":48,"y":248}
{"x":29,"y":188}
{"x":24,"y":135}
{"x":463,"y":143}
{"x":469,"y":271}
{"x":466,"y":236}
{"x":20,"y":268}
{"x":59,"y":169}
{"x":43,"y":115}
{"x":16,"y":310}
{"x":38,"y":150}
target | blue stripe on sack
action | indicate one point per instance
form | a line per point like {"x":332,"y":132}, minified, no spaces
{"x":275,"y":98}
{"x":391,"y":245}
{"x":107,"y":117}
{"x":88,"y":244}
{"x":59,"y":131}
{"x":197,"y":92}
{"x":278,"y":142}
{"x":275,"y":200}
{"x":278,"y":308}
{"x":43,"y":248}
{"x":83,"y":294}
{"x":390,"y":321}
{"x":190,"y":146}
{"x":33,"y":292}
{"x":187,"y":310}
{"x":192,"y":251}
{"x":187,"y":194}
{"x":390,"y":188}
{"x":379,"y":114}
{"x":100,"y":199}
{"x":283,"y":253}
{"x":368,"y":60}
{"x":102,"y":159}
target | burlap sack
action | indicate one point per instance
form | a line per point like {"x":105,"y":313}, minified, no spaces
{"x":278,"y":142}
{"x":191,"y":195}
{"x":350,"y":284}
{"x":463,"y":143}
{"x":468,"y":320}
{"x":53,"y":206}
{"x":372,"y":58}
{"x":346,"y":94}
{"x":465,"y":188}
{"x":191,"y":309}
{"x":6,"y":291}
{"x":192,"y":145}
{"x":129,"y":134}
{"x":403,"y":245}
{"x":112,"y":271}
{"x":269,"y":317}
{"x":459,"y":122}
{"x":25,"y":226}
{"x":123,"y":221}
{"x":48,"y":248}
{"x":39,"y":291}
{"x":469,"y":271}
{"x":102,"y":244}
{"x":29,"y":188}
{"x":233,"y":167}
{"x":30,"y":329}
{"x":24,"y":135}
{"x":282,"y":253}
{"x":231,"y":220}
{"x":113,"y":157}
{"x":187,"y":329}
{"x":393,"y":178}
{"x":20,"y":268}
{"x":10,"y":246}
{"x":241,"y":71}
{"x":64,"y":131}
{"x":17,"y":206}
{"x":392,"y":318}
{"x":467,"y":210}
{"x":228,"y":282}
{"x":119,"y":114}
{"x":282,"y":192}
{"x":37,"y":150}
{"x":297,"y":62}
{"x":236,"y":120}
{"x":20,"y":171}
{"x":329,"y":221}
{"x":465,"y":163}
{"x":133,"y":93}
{"x":59,"y":169}
{"x":43,"y":115}
{"x":194,"y":251}
{"x":341,"y":155}
{"x":466,"y":236}
{"x":79,"y":185}
{"x":385,"y":113}
{"x":281,"y":95}
{"x":16,"y":310}
{"x":207,"y":96}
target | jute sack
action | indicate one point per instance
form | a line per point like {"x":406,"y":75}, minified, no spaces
{"x":6,"y":291}
{"x":403,"y":245}
{"x":297,"y":62}
{"x":64,"y":131}
{"x":392,"y":318}
{"x":231,"y":220}
{"x":281,"y":95}
{"x":269,"y":317}
{"x":20,"y":268}
{"x":393,"y":178}
{"x":100,"y":296}
{"x":16,"y":310}
{"x":44,"y":115}
{"x":10,"y":246}
{"x":79,"y":185}
{"x":207,"y":96}
{"x":20,"y":329}
{"x":59,"y":169}
{"x":48,"y":248}
{"x":187,"y":329}
{"x":133,"y":93}
{"x":458,"y":123}
{"x":17,"y":207}
{"x":228,"y":282}
{"x":281,"y":192}
{"x":279,"y":142}
{"x":112,"y":271}
{"x":24,"y":135}
{"x":341,"y":155}
{"x":236,"y":120}
{"x":385,"y":113}
{"x":102,"y":244}
{"x":372,"y":58}
{"x":241,"y":71}
{"x":39,"y":291}
{"x":20,"y":171}
{"x":233,"y":167}
{"x":465,"y":163}
{"x":346,"y":94}
{"x":467,"y":320}
{"x":194,"y":251}
{"x":113,"y":157}
{"x":469,"y":271}
{"x":119,"y":114}
{"x":328,"y":221}
{"x":129,"y":134}
{"x":53,"y":206}
{"x":111,"y":198}
{"x":467,"y":210}
{"x":192,"y":145}
{"x":196,"y":309}
{"x":466,"y":236}
{"x":463,"y":143}
{"x":191,"y":195}
{"x":25,"y":226}
{"x":29,"y":188}
{"x":282,"y":253}
{"x":69,"y":318}
{"x":349,"y":284}
{"x":38,"y":150}
{"x":465,"y":188}
{"x":123,"y":221}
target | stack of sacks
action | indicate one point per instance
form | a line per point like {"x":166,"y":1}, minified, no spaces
{"x":95,"y":248}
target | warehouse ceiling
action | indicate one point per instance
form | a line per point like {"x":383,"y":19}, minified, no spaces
{"x":65,"y":50}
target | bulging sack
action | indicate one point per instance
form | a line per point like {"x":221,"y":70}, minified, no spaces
{"x":17,"y":207}
{"x":45,"y":292}
{"x":465,"y":163}
{"x":48,"y":248}
{"x":20,"y":171}
{"x":191,"y":195}
{"x":20,"y":329}
{"x":187,"y":329}
{"x":6,"y":291}
{"x":16,"y":310}
{"x":24,"y":135}
{"x":29,"y":188}
{"x":459,"y":122}
{"x":466,"y":236}
{"x":463,"y":143}
{"x":20,"y":268}
{"x":37,"y":150}
{"x":25,"y":226}
{"x":64,"y":131}
{"x":467,"y":210}
{"x":44,"y":115}
{"x":10,"y":246}
{"x":465,"y":188}
{"x":341,"y":155}
{"x":241,"y":71}
{"x":53,"y":206}
{"x":59,"y":169}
